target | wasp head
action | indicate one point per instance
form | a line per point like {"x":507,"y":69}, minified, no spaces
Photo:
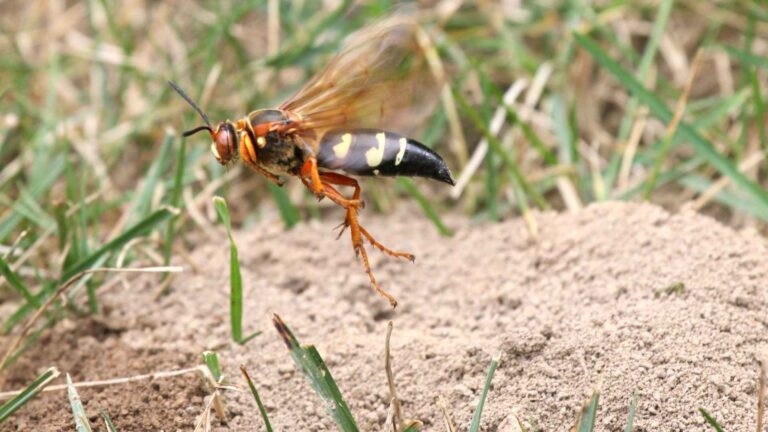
{"x":224,"y":145}
{"x":224,"y":136}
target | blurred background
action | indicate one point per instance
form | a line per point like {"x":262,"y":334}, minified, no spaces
{"x":548,"y":105}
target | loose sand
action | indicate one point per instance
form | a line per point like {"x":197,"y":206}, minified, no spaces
{"x":588,"y":305}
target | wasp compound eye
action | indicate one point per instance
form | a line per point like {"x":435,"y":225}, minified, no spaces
{"x":224,"y":143}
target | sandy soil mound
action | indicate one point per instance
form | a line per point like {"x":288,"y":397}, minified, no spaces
{"x":595,"y":302}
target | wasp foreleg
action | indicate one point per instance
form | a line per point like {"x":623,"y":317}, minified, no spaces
{"x":248,"y":155}
{"x":271,"y":177}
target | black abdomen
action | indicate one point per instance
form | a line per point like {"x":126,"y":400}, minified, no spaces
{"x":367,"y":152}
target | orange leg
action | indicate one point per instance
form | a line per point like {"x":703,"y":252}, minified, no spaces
{"x":342,"y":180}
{"x":325,"y":187}
{"x":309,"y":171}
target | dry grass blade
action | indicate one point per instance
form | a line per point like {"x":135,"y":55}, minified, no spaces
{"x":459,"y":142}
{"x":398,"y":423}
{"x":708,"y":195}
{"x":497,"y":122}
{"x":215,"y":377}
{"x":113,"y":381}
{"x":204,"y":423}
{"x":633,"y":142}
{"x":447,"y":420}
{"x":12,"y":250}
{"x":682,"y":102}
{"x":273,"y":27}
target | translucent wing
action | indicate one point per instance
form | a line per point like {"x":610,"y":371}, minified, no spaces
{"x":380,"y":79}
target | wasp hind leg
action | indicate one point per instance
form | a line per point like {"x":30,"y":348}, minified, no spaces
{"x":324,"y":188}
{"x":350,"y":221}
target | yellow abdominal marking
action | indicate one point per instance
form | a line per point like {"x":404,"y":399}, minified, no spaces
{"x":214,"y":151}
{"x":341,"y":149}
{"x":375,"y":155}
{"x":261,"y":141}
{"x":401,"y":152}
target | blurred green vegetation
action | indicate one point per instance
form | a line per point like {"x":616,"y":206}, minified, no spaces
{"x":550,"y":105}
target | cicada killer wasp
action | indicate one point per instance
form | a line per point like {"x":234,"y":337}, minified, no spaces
{"x":351,"y":117}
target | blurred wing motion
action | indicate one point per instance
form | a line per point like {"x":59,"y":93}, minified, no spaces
{"x":380,"y":79}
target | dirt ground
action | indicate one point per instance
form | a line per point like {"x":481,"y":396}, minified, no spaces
{"x":591,"y":304}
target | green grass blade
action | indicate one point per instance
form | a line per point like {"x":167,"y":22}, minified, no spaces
{"x":702,"y":146}
{"x":42,"y":183}
{"x":650,"y":184}
{"x":746,"y":58}
{"x":28,"y":394}
{"x":726,"y":197}
{"x":28,"y":207}
{"x":725,"y":106}
{"x":425,"y":205}
{"x":759,"y":113}
{"x":586,"y":422}
{"x":143,"y":201}
{"x":711,"y":420}
{"x":107,"y":421}
{"x":631,"y":415}
{"x":492,"y":179}
{"x":235,"y":277}
{"x":314,"y":368}
{"x":525,"y":127}
{"x":141,"y":228}
{"x":288,"y":212}
{"x":16,"y":283}
{"x":495,"y":145}
{"x":662,"y":17}
{"x":301,"y":42}
{"x":78,"y":412}
{"x":178,"y":183}
{"x":567,"y":151}
{"x":211,"y":360}
{"x":262,"y":409}
{"x":475,"y":425}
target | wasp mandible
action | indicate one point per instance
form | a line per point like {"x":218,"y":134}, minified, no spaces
{"x":350,"y":117}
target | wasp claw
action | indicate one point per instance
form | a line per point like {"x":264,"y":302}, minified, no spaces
{"x":343,"y":227}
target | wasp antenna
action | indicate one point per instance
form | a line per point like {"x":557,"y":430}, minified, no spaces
{"x":196,"y":130}
{"x":194,"y":105}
